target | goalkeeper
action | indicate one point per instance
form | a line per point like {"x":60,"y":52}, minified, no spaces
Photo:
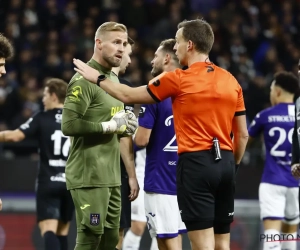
{"x":95,"y":120}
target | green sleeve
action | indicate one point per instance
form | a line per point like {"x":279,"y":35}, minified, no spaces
{"x":78,"y":98}
{"x":73,"y":125}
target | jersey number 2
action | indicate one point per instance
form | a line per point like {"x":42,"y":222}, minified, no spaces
{"x":282,"y":137}
{"x":59,"y":147}
{"x":169,"y":147}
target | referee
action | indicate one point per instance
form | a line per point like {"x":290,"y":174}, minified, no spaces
{"x":6,"y":51}
{"x":207,"y":105}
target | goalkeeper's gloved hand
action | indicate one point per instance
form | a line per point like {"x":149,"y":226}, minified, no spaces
{"x":117,"y":124}
{"x":132,"y":124}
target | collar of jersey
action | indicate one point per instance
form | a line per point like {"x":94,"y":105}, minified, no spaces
{"x":197,"y":64}
{"x":99,"y":67}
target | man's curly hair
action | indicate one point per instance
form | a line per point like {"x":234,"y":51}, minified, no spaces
{"x":6,"y":49}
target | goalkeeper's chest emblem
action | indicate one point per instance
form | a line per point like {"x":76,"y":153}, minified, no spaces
{"x":94,"y":219}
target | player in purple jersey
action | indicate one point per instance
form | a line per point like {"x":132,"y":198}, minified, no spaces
{"x":278,"y":190}
{"x":156,"y":133}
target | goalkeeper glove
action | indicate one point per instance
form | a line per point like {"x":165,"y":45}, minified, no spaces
{"x":117,"y":124}
{"x":132,"y":124}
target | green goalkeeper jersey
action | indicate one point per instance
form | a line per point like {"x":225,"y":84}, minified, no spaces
{"x":94,"y":158}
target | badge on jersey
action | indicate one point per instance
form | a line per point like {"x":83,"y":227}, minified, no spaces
{"x":142,"y":112}
{"x":156,"y":83}
{"x":94,"y":219}
{"x":76,"y":92}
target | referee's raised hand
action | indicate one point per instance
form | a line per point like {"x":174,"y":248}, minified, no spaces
{"x":86,"y":71}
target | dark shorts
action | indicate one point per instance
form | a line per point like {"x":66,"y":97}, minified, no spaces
{"x":54,"y":203}
{"x":125,"y":221}
{"x":205,"y":190}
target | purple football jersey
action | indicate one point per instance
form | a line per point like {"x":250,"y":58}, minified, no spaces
{"x":277,"y":125}
{"x":161,"y":159}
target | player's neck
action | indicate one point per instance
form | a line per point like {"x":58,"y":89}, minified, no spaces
{"x":99,"y":59}
{"x":285,"y":98}
{"x":170,"y":67}
{"x":197,"y":57}
{"x":58,"y":106}
{"x":116,"y":70}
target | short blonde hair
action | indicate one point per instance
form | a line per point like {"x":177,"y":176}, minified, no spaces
{"x":110,"y":26}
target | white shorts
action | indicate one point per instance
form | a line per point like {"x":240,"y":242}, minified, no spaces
{"x":140,"y":162}
{"x":137,"y":206}
{"x":279,"y":203}
{"x":163,"y":216}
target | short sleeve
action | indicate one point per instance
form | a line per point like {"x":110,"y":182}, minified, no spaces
{"x":31,"y":127}
{"x":164,"y":85}
{"x":240,"y":107}
{"x":256,"y":126}
{"x":147,"y":115}
{"x":79,"y":95}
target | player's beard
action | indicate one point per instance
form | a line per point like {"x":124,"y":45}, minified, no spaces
{"x":156,"y":71}
{"x":112,"y":60}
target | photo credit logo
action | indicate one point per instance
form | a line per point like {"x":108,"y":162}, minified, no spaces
{"x":279,"y":237}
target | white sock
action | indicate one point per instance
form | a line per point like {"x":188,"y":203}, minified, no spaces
{"x":270,"y":236}
{"x":154,"y":245}
{"x":290,"y":244}
{"x":131,"y":241}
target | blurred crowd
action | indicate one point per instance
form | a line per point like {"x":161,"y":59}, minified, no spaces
{"x":253,"y":40}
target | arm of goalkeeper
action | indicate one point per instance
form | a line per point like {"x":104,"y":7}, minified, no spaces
{"x":122,"y":123}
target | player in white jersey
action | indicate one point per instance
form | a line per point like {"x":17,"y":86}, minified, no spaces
{"x":278,"y":190}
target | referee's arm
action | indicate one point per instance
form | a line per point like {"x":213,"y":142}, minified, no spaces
{"x":240,"y":136}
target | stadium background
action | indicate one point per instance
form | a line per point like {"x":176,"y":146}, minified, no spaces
{"x":253,"y":40}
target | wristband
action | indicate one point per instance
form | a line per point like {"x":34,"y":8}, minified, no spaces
{"x":109,"y":127}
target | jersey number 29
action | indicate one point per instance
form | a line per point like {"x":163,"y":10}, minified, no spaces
{"x":282,"y":137}
{"x":60,"y":146}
